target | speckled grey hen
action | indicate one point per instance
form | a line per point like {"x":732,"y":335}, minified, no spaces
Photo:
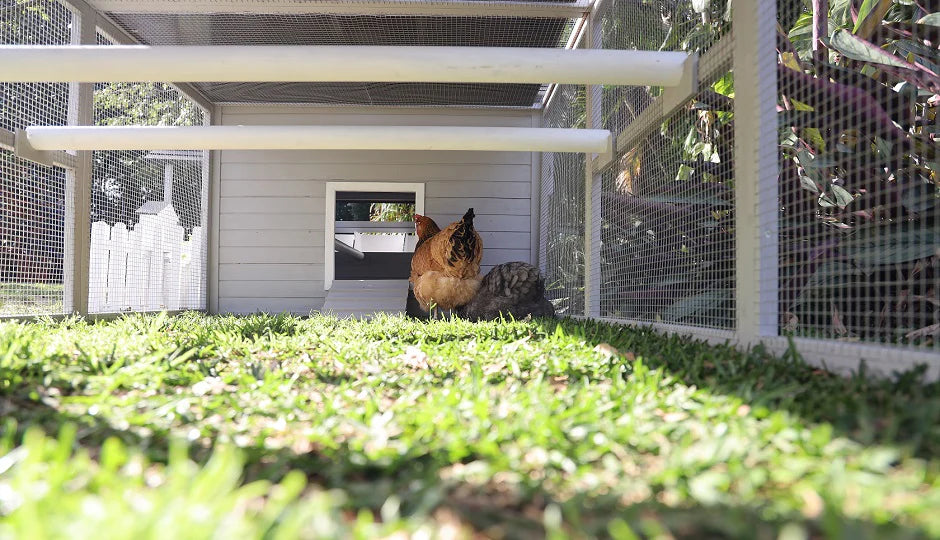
{"x":514,"y":289}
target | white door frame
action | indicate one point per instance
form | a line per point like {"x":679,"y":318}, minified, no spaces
{"x":329,"y":262}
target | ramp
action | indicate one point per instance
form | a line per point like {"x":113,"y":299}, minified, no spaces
{"x":354,"y":298}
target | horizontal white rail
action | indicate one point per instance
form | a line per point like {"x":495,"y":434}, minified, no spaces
{"x":296,"y":63}
{"x":421,"y":8}
{"x":45,"y":138}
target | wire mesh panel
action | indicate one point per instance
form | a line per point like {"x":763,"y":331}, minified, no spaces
{"x":33,"y":215}
{"x":331,"y":29}
{"x":148,"y":208}
{"x":562,"y":213}
{"x":654,"y":25}
{"x":666,"y":204}
{"x":859,"y":240}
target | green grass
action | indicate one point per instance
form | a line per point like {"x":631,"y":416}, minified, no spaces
{"x":282,"y":427}
{"x":30,"y":298}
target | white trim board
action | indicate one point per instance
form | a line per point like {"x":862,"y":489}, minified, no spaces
{"x":329,"y":263}
{"x":344,"y":7}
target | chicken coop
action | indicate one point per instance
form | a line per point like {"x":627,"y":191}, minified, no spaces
{"x":747,"y":172}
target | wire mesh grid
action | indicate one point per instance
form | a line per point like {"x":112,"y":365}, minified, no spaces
{"x":330,"y":29}
{"x":859,"y":240}
{"x":33,"y":215}
{"x":667,"y":222}
{"x":666,"y":201}
{"x":562,"y":212}
{"x":148,"y":208}
{"x":653,"y":25}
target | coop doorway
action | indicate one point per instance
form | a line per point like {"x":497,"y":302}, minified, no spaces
{"x":370,"y":230}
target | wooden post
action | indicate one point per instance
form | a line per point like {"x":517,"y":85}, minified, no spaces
{"x":755,"y":170}
{"x":78,"y":184}
{"x":592,"y":182}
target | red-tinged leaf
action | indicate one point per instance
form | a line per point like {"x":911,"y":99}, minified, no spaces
{"x":870,"y":16}
{"x":859,"y":49}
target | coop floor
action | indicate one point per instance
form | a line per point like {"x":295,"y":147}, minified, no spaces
{"x":448,"y":427}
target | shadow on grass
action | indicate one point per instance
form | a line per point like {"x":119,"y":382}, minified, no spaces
{"x":903,"y":412}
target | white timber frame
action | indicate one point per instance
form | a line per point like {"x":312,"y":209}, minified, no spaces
{"x":339,"y":63}
{"x":329,"y":225}
{"x":418,"y":8}
{"x":463,"y":138}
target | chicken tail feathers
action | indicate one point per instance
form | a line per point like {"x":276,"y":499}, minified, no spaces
{"x":464,"y":240}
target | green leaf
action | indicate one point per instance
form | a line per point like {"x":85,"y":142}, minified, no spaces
{"x":932,"y":19}
{"x":877,"y":246}
{"x":870,"y":16}
{"x":809,"y":184}
{"x":858,"y":49}
{"x":826,"y":202}
{"x":843,"y":197}
{"x":828,"y":275}
{"x":696,"y":306}
{"x":920,"y":197}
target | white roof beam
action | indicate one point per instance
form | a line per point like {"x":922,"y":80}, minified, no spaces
{"x":503,"y":139}
{"x":298,"y":63}
{"x":451,"y":8}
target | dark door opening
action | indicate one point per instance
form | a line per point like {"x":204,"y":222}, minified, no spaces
{"x":374,"y":231}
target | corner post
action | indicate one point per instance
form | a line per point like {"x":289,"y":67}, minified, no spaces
{"x":593,"y":98}
{"x":78,"y":184}
{"x":756,"y":170}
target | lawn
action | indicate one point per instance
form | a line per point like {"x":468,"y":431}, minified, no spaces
{"x":30,"y":298}
{"x":286,"y":427}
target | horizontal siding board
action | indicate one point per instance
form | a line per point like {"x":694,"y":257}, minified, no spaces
{"x":400,"y":157}
{"x":267,"y":222}
{"x":376,"y":172}
{"x":271,"y":205}
{"x":275,"y":238}
{"x":508,"y":190}
{"x":272,"y":289}
{"x":499,"y":256}
{"x":481,"y":206}
{"x":273,"y":188}
{"x":263,"y":272}
{"x":504,"y":240}
{"x":485,"y":223}
{"x":301,"y":306}
{"x":274,"y":255}
{"x":317,"y":188}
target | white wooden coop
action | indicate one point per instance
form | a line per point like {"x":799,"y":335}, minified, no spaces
{"x":207,"y":146}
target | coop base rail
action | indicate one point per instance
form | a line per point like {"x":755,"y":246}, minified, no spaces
{"x":304,"y":63}
{"x":504,"y":139}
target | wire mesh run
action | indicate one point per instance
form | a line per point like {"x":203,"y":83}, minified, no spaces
{"x":322,"y":29}
{"x":654,"y":25}
{"x":562,"y":213}
{"x":859,"y":240}
{"x":34,"y":224}
{"x":667,"y":232}
{"x":148,"y":208}
{"x":668,"y":244}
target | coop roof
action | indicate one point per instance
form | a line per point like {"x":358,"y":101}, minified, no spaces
{"x":153,"y":208}
{"x":477,"y":23}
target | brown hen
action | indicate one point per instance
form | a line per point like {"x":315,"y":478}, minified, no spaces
{"x":445,"y":268}
{"x":425,"y":228}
